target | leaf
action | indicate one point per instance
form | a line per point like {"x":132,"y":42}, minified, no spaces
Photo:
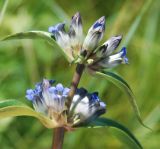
{"x":123,"y":85}
{"x":31,"y":35}
{"x":57,"y":10}
{"x":2,"y":12}
{"x":151,"y":120}
{"x":103,"y":122}
{"x":10,"y":108}
{"x":136,"y":22}
{"x":38,"y":35}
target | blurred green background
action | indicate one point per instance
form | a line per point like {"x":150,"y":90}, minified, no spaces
{"x":24,"y":62}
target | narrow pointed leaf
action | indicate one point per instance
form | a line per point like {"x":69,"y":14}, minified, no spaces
{"x":31,"y":35}
{"x":10,"y":108}
{"x":136,"y":23}
{"x":2,"y":12}
{"x":37,"y":35}
{"x":123,"y":85}
{"x":105,"y":122}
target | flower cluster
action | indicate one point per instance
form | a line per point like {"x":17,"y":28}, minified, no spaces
{"x":86,"y":50}
{"x":51,"y":101}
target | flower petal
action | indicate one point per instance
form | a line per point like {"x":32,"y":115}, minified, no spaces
{"x":30,"y":94}
{"x":59,"y":88}
{"x":66,"y":91}
{"x":47,"y":99}
{"x":109,"y":46}
{"x":86,"y":106}
{"x":114,"y":60}
{"x":76,"y":26}
{"x":56,"y":29}
{"x":94,"y":35}
{"x":76,"y":34}
{"x":53,"y":90}
{"x":62,"y":38}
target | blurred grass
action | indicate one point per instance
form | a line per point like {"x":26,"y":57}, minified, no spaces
{"x":22,"y":63}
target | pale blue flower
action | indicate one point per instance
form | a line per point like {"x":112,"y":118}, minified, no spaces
{"x":94,"y":35}
{"x":86,"y":106}
{"x":110,"y":61}
{"x":85,"y":50}
{"x":51,"y":101}
{"x":109,"y":46}
{"x":47,"y":98}
{"x":73,"y":42}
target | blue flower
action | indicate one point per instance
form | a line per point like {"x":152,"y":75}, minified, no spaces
{"x":94,"y":35}
{"x":85,"y":50}
{"x":86,"y":106}
{"x":73,"y":42}
{"x":51,"y":101}
{"x":110,"y":61}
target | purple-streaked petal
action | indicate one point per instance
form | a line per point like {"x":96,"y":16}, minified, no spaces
{"x":62,"y":38}
{"x":114,"y":60}
{"x":56,"y":29}
{"x":86,"y":106}
{"x":46,"y":84}
{"x":109,"y":46}
{"x":76,"y":26}
{"x":94,"y":35}
{"x":76,"y":34}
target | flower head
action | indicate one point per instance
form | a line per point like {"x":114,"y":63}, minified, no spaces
{"x":51,"y":102}
{"x":94,"y":35}
{"x":86,"y":106}
{"x":85,"y":50}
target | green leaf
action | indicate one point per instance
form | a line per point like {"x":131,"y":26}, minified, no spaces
{"x":2,"y":12}
{"x":103,"y":122}
{"x":57,"y":10}
{"x":38,"y":35}
{"x":136,"y":22}
{"x":31,"y":35}
{"x":10,"y":108}
{"x":123,"y":85}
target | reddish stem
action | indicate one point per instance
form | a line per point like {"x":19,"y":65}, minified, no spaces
{"x":59,"y":132}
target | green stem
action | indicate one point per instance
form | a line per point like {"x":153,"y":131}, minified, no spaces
{"x":58,"y":138}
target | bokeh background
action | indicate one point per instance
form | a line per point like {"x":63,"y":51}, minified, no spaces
{"x":24,"y":62}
